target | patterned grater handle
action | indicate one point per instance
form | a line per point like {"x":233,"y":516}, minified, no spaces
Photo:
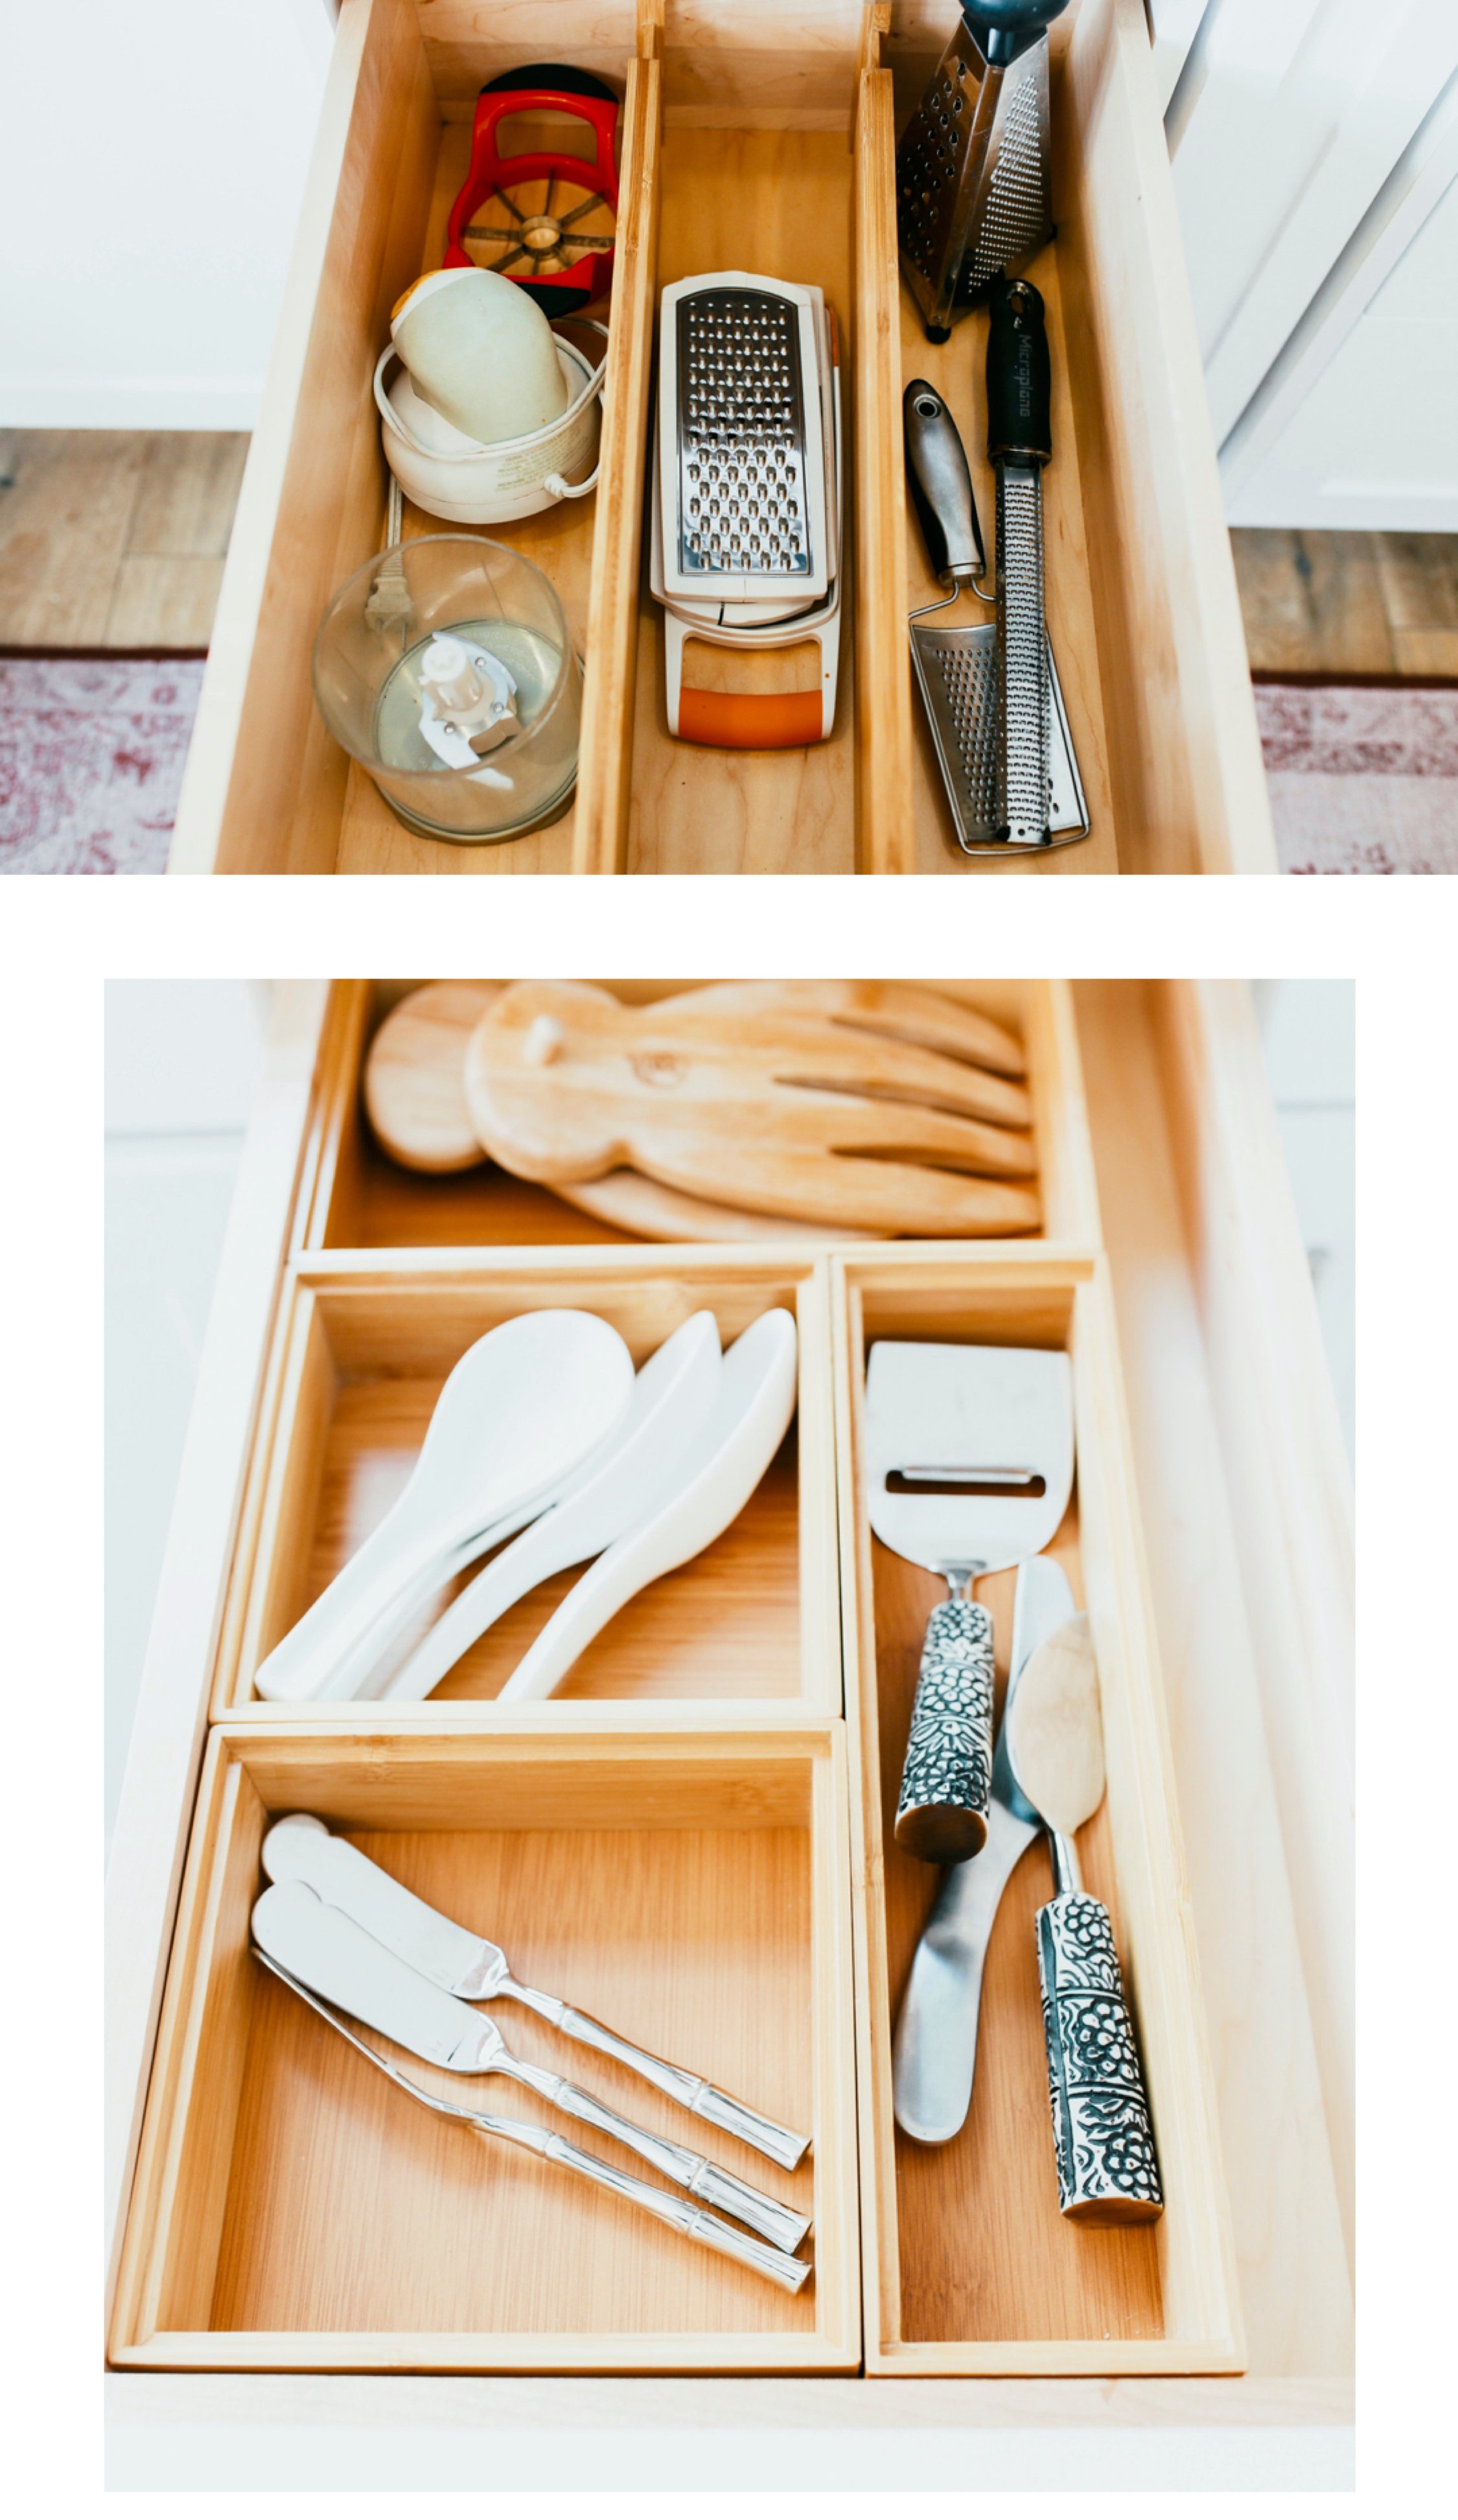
{"x":1104,"y":2146}
{"x":947,"y":1779}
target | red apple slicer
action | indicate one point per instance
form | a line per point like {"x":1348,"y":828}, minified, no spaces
{"x":542,"y":217}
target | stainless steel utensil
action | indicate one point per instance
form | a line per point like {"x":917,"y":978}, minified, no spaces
{"x":934,"y":2055}
{"x":969,"y":1465}
{"x":973,"y":194}
{"x":302,"y":1849}
{"x":329,"y":1952}
{"x":958,"y":669}
{"x":1103,"y":2139}
{"x":695,"y":2222}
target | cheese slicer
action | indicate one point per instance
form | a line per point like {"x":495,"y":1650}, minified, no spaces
{"x":1103,"y":2139}
{"x":518,"y":1413}
{"x":970,"y":1467}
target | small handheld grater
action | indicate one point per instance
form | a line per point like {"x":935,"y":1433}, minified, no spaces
{"x":746,"y":515}
{"x":973,"y":193}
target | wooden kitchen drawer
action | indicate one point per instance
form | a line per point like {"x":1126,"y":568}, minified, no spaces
{"x":1219,"y":1633}
{"x":969,"y":2265}
{"x":362,"y":1347}
{"x":753,"y":135}
{"x":352,"y":1195}
{"x":292,"y":2212}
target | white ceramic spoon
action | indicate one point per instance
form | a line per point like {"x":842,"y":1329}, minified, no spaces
{"x":715,"y":1483}
{"x":519,"y":1412}
{"x":642,"y":1464}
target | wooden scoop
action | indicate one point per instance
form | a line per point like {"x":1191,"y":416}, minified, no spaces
{"x":415,"y":1095}
{"x":783,"y":1114}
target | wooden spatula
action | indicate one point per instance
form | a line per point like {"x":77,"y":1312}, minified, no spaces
{"x":783,"y":1114}
{"x":1103,"y":2139}
{"x":414,"y":1093}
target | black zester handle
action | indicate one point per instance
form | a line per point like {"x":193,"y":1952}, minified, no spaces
{"x":1105,"y":2146}
{"x":946,"y":1780}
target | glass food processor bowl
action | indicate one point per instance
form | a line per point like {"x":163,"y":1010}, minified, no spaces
{"x":368,"y":656}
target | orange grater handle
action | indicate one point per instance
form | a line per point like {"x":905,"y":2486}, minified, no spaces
{"x":750,"y":721}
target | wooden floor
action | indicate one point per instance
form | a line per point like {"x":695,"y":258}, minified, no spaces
{"x":1348,"y":604}
{"x":116,"y":538}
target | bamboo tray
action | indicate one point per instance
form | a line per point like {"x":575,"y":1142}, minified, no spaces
{"x":753,"y":134}
{"x":364,"y":1345}
{"x":969,"y":2265}
{"x":352,"y":1195}
{"x":1221,"y":1375}
{"x":293,"y":2212}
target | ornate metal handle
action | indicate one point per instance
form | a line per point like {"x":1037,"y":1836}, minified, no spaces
{"x":692,"y":2221}
{"x":947,"y":1775}
{"x":1105,"y":2146}
{"x":703,"y":2178}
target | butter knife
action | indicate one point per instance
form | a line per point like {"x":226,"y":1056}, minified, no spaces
{"x":935,"y":2050}
{"x":302,"y":1849}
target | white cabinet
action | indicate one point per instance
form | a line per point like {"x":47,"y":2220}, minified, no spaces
{"x":1315,"y":150}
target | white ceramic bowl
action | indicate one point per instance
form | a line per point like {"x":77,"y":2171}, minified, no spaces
{"x":448,"y":475}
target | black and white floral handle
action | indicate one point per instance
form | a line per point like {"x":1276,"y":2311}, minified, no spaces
{"x":1105,"y":2146}
{"x":947,"y":1779}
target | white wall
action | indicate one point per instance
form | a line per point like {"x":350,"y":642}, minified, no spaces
{"x":152,"y":158}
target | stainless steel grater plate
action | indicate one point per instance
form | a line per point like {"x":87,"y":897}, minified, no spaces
{"x":957,"y":671}
{"x":1021,"y":651}
{"x":973,"y":193}
{"x":743,"y":509}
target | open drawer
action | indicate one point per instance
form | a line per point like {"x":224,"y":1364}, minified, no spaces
{"x":1194,"y":1364}
{"x":761,"y":137}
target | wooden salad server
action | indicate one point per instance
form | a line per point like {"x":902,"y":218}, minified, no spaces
{"x":415,"y":1095}
{"x":790,"y":1115}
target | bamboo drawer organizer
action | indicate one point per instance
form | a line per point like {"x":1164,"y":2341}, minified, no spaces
{"x":753,"y":134}
{"x":692,"y":1840}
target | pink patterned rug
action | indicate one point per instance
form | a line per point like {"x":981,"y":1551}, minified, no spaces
{"x":91,"y":755}
{"x":1364,"y":778}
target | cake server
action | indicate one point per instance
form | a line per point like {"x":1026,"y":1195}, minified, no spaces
{"x":302,"y":1849}
{"x":327,"y":1951}
{"x":969,"y":1465}
{"x":695,"y":2222}
{"x":934,"y":2055}
{"x":1103,"y":2139}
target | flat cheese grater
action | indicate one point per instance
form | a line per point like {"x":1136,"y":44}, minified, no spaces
{"x":960,"y":671}
{"x":745,"y":442}
{"x":973,"y":193}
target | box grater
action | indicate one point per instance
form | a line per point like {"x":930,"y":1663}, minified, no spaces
{"x":973,"y":194}
{"x":746,"y":442}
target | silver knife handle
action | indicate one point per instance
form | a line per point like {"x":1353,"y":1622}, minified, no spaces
{"x":703,"y":2178}
{"x":692,"y":2221}
{"x":1102,"y":2136}
{"x":947,"y":1779}
{"x":779,"y":2143}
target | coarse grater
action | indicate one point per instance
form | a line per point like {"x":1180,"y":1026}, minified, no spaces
{"x":745,"y":441}
{"x":960,"y":671}
{"x":973,"y":192}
